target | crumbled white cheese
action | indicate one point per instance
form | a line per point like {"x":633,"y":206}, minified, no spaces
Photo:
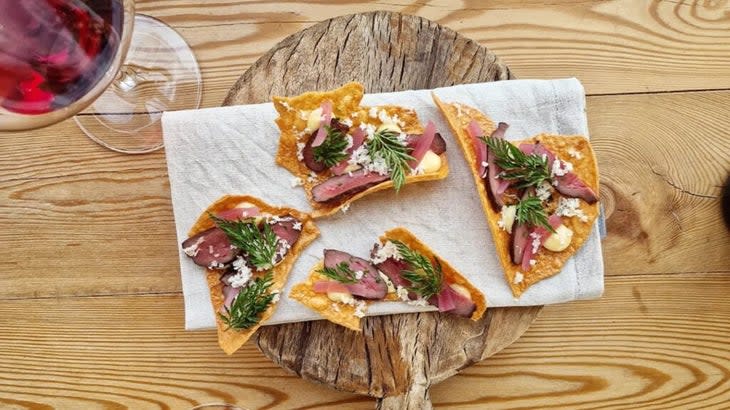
{"x":345,"y":208}
{"x":544,"y":191}
{"x":418,"y":170}
{"x":359,"y":274}
{"x":535,"y":242}
{"x":574,"y":154}
{"x":373,"y":112}
{"x":349,"y":140}
{"x":312,"y":176}
{"x":216,"y":265}
{"x":193,"y":250}
{"x":533,"y":262}
{"x":296,"y":181}
{"x":402,"y":293}
{"x":561,"y":167}
{"x":276,"y":297}
{"x":388,"y":282}
{"x":360,"y":307}
{"x":300,"y":150}
{"x":297,"y":226}
{"x":485,"y":164}
{"x":458,"y":109}
{"x":243,"y":273}
{"x":385,"y":251}
{"x":518,"y":278}
{"x":571,"y":207}
{"x":346,"y":121}
{"x":285,"y":246}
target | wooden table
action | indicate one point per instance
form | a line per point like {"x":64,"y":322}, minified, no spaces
{"x":91,"y":311}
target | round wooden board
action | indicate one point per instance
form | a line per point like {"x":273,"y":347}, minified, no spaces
{"x":395,"y":358}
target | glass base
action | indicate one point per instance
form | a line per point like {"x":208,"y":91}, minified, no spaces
{"x":159,"y":74}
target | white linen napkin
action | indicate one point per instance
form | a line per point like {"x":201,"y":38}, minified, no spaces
{"x":231,"y":150}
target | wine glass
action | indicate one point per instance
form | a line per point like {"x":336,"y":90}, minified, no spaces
{"x":60,"y":58}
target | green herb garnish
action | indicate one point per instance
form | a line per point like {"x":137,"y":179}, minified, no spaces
{"x":341,"y":273}
{"x":525,"y":170}
{"x":332,"y":150}
{"x":249,"y":303}
{"x":426,"y":278}
{"x":531,"y":212}
{"x":259,"y":246}
{"x":386,"y":145}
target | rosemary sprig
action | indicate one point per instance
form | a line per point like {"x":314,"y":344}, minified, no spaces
{"x":259,"y":246}
{"x":385,"y":144}
{"x":531,"y":212}
{"x":525,"y":170}
{"x":246,"y":307}
{"x":332,"y":150}
{"x":426,"y":278}
{"x":341,"y":273}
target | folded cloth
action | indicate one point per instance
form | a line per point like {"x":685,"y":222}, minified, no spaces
{"x":231,"y":150}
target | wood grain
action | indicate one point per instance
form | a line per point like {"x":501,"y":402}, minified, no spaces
{"x":665,"y":45}
{"x":394,"y":358}
{"x":651,"y":342}
{"x":662,"y":160}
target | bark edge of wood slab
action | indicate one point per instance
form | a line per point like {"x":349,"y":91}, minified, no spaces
{"x":395,"y":358}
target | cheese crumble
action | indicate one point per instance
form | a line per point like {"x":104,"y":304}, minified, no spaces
{"x":570,"y":207}
{"x":385,"y":251}
{"x":518,"y":278}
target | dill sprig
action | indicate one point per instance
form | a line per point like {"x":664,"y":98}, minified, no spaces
{"x":426,"y":278}
{"x":332,"y":150}
{"x":531,"y":212}
{"x":259,"y":246}
{"x":341,"y":273}
{"x":395,"y":154}
{"x":525,"y":170}
{"x":249,"y":303}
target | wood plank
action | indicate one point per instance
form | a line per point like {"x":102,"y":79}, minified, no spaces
{"x":665,"y":45}
{"x":651,"y":342}
{"x":102,"y":222}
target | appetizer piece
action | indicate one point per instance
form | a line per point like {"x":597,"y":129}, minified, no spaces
{"x":341,"y":151}
{"x":341,"y":286}
{"x":248,"y":249}
{"x":539,"y":195}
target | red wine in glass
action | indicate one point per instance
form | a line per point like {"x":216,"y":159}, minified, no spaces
{"x":53,"y":52}
{"x":61,"y":57}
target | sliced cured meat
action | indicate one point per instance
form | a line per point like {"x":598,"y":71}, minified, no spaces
{"x":369,"y":286}
{"x":210,"y":247}
{"x":438,"y":145}
{"x":288,"y":236}
{"x":571,"y":185}
{"x":229,"y":294}
{"x":358,"y":137}
{"x":535,"y":239}
{"x":496,"y":186}
{"x":520,"y":236}
{"x":423,"y":144}
{"x":453,"y":302}
{"x":345,"y":185}
{"x":308,"y":154}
